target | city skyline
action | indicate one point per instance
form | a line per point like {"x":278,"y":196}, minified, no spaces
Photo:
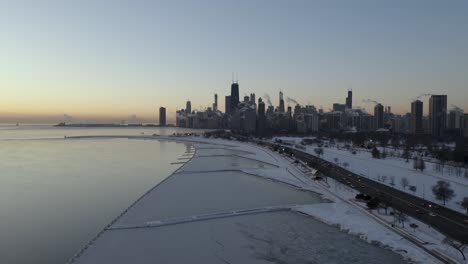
{"x":89,"y":62}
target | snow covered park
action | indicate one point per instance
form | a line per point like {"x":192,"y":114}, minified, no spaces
{"x":392,"y":170}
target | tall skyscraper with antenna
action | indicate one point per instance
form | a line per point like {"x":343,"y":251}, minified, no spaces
{"x":234,"y":96}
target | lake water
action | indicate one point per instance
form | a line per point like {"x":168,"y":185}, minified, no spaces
{"x":56,"y":194}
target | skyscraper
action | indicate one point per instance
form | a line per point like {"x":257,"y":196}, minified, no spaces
{"x":437,"y":115}
{"x":188,"y":107}
{"x":234,"y":96}
{"x":455,"y":119}
{"x":417,"y":117}
{"x":261,"y":117}
{"x":378,"y":116}
{"x":227,"y":105}
{"x":162,"y":116}
{"x":252,"y":98}
{"x":339,"y":107}
{"x":215,"y":104}
{"x":261,"y":107}
{"x":465,"y":125}
{"x":281,"y":102}
{"x":349,"y":100}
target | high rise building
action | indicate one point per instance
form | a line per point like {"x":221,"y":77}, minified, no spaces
{"x":339,"y":107}
{"x":378,"y":116}
{"x":455,"y":119}
{"x":234,"y":96}
{"x":437,"y":115}
{"x":270,"y":109}
{"x":252,"y":98}
{"x":281,"y":102}
{"x":215,"y":104}
{"x":297,"y":110}
{"x":261,"y":107}
{"x":227,"y":105}
{"x":465,"y":125}
{"x":261,"y":117}
{"x":349,"y":100}
{"x":248,"y":120}
{"x":417,"y":117}
{"x":162,"y":116}
{"x":188,"y":107}
{"x":246,"y":99}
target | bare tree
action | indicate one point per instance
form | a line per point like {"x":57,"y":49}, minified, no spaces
{"x":458,"y":170}
{"x":336,"y":160}
{"x":422,"y":164}
{"x":375,"y":153}
{"x":415,"y":163}
{"x":413,"y":189}
{"x":392,"y":180}
{"x":419,"y":164}
{"x":442,"y":191}
{"x":318,"y":151}
{"x":400,"y":217}
{"x":384,"y":154}
{"x":345,"y":164}
{"x":464,"y":204}
{"x":384,"y":178}
{"x":406,"y":155}
{"x":404,"y":182}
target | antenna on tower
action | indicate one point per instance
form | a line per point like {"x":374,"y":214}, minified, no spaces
{"x":237,"y":79}
{"x":232,"y":79}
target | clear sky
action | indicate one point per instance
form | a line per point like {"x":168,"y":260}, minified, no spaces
{"x":109,"y":60}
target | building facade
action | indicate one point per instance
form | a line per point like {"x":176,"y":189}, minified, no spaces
{"x":438,"y":115}
{"x":349,"y":100}
{"x":162,"y":116}
{"x":378,"y":116}
{"x":417,"y":117}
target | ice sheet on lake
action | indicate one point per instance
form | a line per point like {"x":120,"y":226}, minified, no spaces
{"x":200,"y":193}
{"x":280,"y":237}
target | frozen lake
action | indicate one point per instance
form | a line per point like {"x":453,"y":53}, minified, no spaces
{"x":279,"y":237}
{"x":56,"y":194}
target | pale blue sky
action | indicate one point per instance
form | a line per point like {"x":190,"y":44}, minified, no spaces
{"x":113,"y":59}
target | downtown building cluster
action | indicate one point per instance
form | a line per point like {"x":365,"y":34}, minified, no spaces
{"x":249,"y":115}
